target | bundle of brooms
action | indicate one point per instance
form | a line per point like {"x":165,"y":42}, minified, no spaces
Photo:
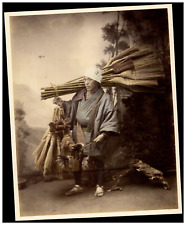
{"x":135,"y":68}
{"x":48,"y":150}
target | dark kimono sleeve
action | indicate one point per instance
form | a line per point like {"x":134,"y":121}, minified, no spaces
{"x":70,"y":107}
{"x":67,"y":105}
{"x":110,"y":121}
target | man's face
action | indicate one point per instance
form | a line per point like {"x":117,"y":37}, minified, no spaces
{"x":90,"y":84}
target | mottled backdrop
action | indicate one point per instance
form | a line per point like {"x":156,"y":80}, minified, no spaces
{"x":53,"y":49}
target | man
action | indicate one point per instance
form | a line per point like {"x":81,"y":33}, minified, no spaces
{"x":92,"y":120}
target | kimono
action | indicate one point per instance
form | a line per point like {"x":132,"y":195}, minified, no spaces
{"x":105,"y":119}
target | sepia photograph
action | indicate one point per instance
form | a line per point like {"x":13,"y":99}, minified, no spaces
{"x":93,"y":112}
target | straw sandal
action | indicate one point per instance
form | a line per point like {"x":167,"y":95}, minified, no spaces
{"x":99,"y":191}
{"x":75,"y":190}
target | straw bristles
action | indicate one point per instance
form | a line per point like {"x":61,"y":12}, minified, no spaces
{"x":39,"y":149}
{"x":41,"y":159}
{"x":122,"y":54}
{"x":129,"y":82}
{"x":49,"y":158}
{"x":133,"y":56}
{"x":142,"y":75}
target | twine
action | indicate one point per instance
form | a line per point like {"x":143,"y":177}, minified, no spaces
{"x":55,"y":89}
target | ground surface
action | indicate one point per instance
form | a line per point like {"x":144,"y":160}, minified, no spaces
{"x":48,"y":198}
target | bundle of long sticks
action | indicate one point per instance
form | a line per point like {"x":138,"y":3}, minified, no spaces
{"x":133,"y":68}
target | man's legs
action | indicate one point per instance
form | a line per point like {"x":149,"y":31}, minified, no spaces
{"x":99,"y":173}
{"x":77,"y":178}
{"x":99,"y":170}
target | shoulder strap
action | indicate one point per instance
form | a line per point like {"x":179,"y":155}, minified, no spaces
{"x":90,"y":125}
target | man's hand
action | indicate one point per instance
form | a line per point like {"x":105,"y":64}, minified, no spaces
{"x":77,"y":148}
{"x":77,"y":151}
{"x":58,"y":101}
{"x":100,"y":137}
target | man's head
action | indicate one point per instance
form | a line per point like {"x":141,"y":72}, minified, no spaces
{"x":94,"y":73}
{"x":92,"y":79}
{"x":90,"y":84}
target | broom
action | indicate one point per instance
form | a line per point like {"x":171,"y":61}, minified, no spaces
{"x":133,"y":63}
{"x":47,"y":168}
{"x":39,"y":149}
{"x":122,"y":54}
{"x":129,"y":82}
{"x":58,"y":168}
{"x":42,"y":157}
{"x":130,"y":57}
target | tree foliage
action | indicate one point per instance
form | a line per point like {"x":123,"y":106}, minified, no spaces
{"x":21,"y":133}
{"x":115,"y":37}
{"x":102,"y":64}
{"x":148,"y":27}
